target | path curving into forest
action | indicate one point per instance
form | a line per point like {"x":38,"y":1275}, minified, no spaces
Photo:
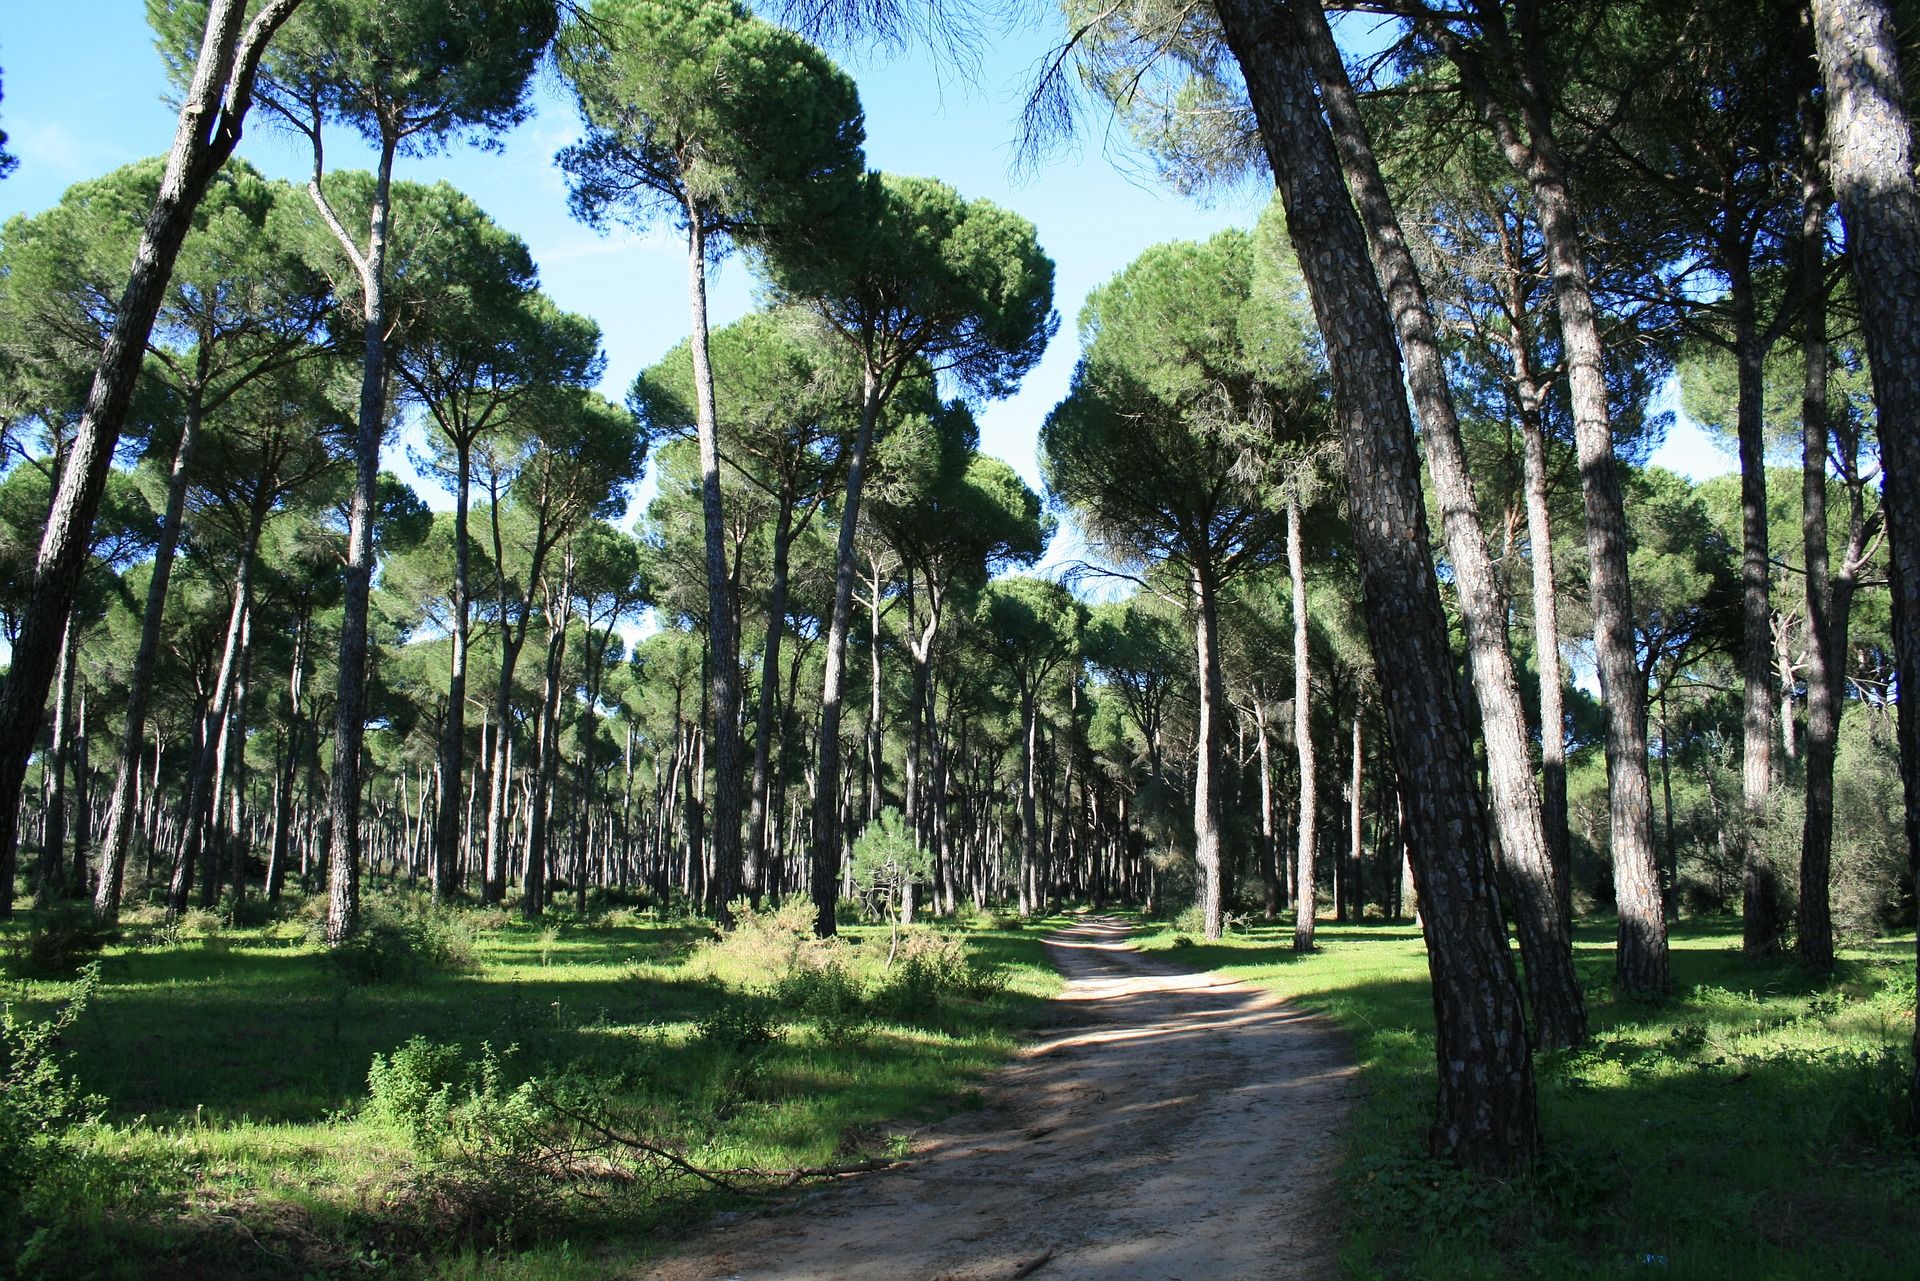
{"x":1171,"y":1126}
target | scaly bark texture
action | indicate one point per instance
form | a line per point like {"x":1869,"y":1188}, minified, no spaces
{"x":724,"y":668}
{"x":211,"y":117}
{"x":1559,"y":1012}
{"x":1485,"y":1115}
{"x":1870,"y":138}
{"x":350,"y":692}
{"x":1307,"y":834}
{"x":826,"y":810}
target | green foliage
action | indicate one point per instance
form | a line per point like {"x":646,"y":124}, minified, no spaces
{"x":58,"y":941}
{"x":721,"y":120}
{"x":887,"y":857}
{"x":42,"y":1108}
{"x":404,"y":943}
{"x":413,"y":1087}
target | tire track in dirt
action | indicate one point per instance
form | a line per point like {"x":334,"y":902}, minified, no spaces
{"x":1171,"y":1126}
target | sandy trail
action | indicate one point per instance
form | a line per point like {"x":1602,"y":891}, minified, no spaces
{"x":1174,"y":1127}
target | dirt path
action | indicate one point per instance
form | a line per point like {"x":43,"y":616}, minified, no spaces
{"x":1176,"y":1127}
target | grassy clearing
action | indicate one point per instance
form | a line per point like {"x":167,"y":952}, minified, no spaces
{"x":1746,"y":1128}
{"x":238,"y":1139}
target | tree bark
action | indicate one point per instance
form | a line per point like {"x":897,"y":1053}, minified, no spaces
{"x":1307,"y":833}
{"x":450,"y":762}
{"x":724,"y":667}
{"x":1206,"y":773}
{"x":1485,"y":1116}
{"x":1559,"y":1012}
{"x":1871,"y":166}
{"x":826,"y":806}
{"x":756,"y":850}
{"x":113,"y":848}
{"x":211,"y":117}
{"x":349,"y":724}
{"x":1759,"y":898}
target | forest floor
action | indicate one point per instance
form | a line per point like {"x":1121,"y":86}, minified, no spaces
{"x":1749,"y":1125}
{"x":1170,"y":1125}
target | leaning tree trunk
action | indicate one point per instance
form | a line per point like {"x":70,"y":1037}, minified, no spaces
{"x":350,"y":724}
{"x":211,"y":117}
{"x":1641,"y":951}
{"x":1560,"y":1016}
{"x":1486,"y":1117}
{"x":826,"y":805}
{"x":1871,"y":141}
{"x":1307,"y":834}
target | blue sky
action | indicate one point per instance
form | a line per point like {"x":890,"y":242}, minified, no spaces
{"x":84,"y":93}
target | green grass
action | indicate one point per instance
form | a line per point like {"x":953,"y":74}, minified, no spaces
{"x":235,"y":1066}
{"x":1747,"y":1127}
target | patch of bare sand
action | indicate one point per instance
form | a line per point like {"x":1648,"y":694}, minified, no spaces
{"x":1173,"y":1127}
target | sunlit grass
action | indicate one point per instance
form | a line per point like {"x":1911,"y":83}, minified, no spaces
{"x":235,"y":1063}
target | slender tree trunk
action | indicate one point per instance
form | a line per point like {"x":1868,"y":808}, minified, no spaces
{"x":53,"y":830}
{"x":349,"y":726}
{"x":113,"y":848}
{"x":756,"y":852}
{"x":1759,"y":899}
{"x":826,"y":808}
{"x":233,"y":764}
{"x":724,"y":668}
{"x":450,"y":760}
{"x":1486,"y":1115}
{"x":200,"y":791}
{"x":1206,"y":772}
{"x":1307,"y":830}
{"x":211,"y":116}
{"x":1559,"y":1011}
{"x":1871,"y":141}
{"x":1269,"y":836}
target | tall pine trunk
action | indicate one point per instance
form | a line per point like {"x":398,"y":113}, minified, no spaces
{"x":1485,"y":1116}
{"x":1307,"y":832}
{"x":211,"y":116}
{"x":724,"y":666}
{"x":826,"y":807}
{"x":349,"y":723}
{"x":450,"y":758}
{"x":1871,"y":141}
{"x":1559,"y":1012}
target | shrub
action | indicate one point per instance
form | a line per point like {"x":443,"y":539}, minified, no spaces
{"x":413,"y":1087}
{"x":60,"y":940}
{"x":930,"y":968}
{"x":770,"y":945}
{"x":41,"y":1108}
{"x":401,"y":946}
{"x":739,"y":1025}
{"x":831,"y":995}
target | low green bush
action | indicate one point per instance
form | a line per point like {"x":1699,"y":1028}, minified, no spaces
{"x":58,"y":942}
{"x":43,"y":1169}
